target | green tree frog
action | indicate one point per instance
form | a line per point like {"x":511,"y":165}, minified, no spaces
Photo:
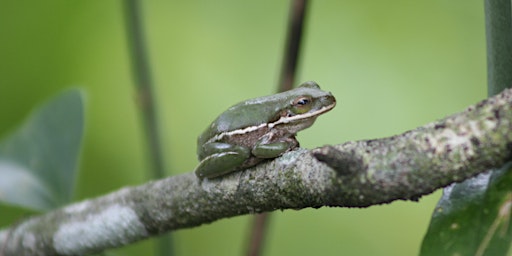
{"x":258,"y":129}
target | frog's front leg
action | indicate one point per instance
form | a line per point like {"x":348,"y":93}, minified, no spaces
{"x":274,"y":149}
{"x":221,"y":158}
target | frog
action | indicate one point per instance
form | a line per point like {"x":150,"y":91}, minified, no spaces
{"x":259,"y":129}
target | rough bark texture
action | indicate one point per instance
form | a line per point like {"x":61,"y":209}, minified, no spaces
{"x":363,"y":173}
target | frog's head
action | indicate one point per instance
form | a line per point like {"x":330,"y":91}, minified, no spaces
{"x":305,"y":104}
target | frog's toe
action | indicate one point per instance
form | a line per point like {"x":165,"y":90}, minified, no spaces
{"x":219,"y":164}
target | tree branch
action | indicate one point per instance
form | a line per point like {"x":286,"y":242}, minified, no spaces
{"x":364,"y":173}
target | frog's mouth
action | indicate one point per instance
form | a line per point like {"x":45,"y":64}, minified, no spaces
{"x":290,"y":119}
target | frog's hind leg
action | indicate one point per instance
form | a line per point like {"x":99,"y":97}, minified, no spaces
{"x":275,"y":149}
{"x":218,"y":164}
{"x":226,"y":160}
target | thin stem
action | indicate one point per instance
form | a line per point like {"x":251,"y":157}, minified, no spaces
{"x":258,"y":231}
{"x":286,"y":81}
{"x":293,"y":42}
{"x":146,"y":101}
{"x":498,"y":27}
{"x":144,"y":86}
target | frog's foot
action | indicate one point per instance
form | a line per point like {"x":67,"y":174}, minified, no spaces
{"x":275,"y":149}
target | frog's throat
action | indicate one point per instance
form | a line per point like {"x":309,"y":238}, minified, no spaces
{"x":282,"y":120}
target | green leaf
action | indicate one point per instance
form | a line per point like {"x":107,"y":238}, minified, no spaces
{"x":38,"y":161}
{"x":473,"y":218}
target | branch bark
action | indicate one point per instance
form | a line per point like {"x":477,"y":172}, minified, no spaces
{"x":363,"y":173}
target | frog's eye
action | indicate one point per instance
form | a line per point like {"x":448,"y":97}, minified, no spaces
{"x":302,"y":104}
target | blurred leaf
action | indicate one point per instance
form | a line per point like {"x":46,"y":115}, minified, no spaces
{"x":38,"y":161}
{"x":473,"y":218}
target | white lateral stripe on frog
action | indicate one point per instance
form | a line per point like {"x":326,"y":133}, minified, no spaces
{"x":285,"y":119}
{"x":282,"y":120}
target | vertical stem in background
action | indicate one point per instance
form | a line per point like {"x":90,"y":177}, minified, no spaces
{"x":286,"y":81}
{"x":293,"y":40}
{"x":146,"y":100}
{"x":498,"y":28}
{"x":144,"y":86}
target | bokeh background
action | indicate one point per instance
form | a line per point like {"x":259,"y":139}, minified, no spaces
{"x":393,"y":66}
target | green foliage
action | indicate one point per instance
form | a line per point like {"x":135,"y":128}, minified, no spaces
{"x":38,"y":161}
{"x":473,"y":218}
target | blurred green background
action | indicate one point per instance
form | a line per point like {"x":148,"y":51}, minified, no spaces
{"x":393,"y":66}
